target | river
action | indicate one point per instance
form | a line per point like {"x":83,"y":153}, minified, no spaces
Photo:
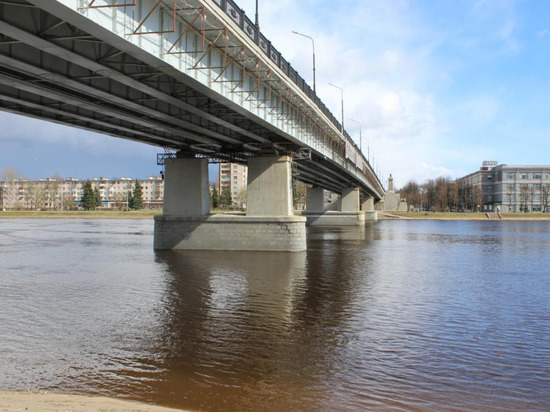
{"x":395,"y":316}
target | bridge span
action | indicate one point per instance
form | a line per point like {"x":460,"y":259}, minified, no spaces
{"x":197,"y":77}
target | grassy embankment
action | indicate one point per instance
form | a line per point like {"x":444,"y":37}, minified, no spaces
{"x":87,"y":214}
{"x":462,"y":216}
{"x":80,"y":214}
{"x":148,"y":214}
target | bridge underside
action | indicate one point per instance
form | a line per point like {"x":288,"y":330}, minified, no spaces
{"x":51,"y":69}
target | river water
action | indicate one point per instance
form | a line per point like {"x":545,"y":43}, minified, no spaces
{"x":396,"y":316}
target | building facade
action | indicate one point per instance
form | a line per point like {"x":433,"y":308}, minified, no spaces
{"x":65,"y":194}
{"x":510,"y":189}
{"x":234,"y":176}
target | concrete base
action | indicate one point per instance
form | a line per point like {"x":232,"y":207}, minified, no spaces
{"x":371,"y":216}
{"x":333,"y":218}
{"x":231,"y":232}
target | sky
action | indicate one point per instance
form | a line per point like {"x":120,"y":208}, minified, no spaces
{"x":437,"y":86}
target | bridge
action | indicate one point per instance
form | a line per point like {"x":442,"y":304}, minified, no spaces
{"x":199,"y":79}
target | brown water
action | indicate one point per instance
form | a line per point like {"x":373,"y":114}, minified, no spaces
{"x":396,"y":316}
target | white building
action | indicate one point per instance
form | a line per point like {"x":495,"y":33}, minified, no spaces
{"x":234,"y":176}
{"x":65,"y":194}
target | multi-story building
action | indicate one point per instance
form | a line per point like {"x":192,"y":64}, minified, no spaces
{"x":62,"y":194}
{"x":510,"y":189}
{"x":234,"y":176}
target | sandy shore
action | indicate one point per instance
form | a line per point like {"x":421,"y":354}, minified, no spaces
{"x":51,"y":402}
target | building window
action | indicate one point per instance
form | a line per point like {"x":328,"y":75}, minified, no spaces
{"x":525,"y":176}
{"x":510,"y":176}
{"x":536,"y":186}
{"x":510,"y":188}
{"x":537,"y":176}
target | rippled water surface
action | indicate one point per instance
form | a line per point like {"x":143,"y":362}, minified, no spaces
{"x":400,"y":315}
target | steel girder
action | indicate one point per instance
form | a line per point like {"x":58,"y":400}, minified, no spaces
{"x":46,"y":72}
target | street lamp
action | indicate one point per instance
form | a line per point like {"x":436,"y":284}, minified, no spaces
{"x":313,"y":45}
{"x":361,"y":139}
{"x":257,"y":19}
{"x":342,"y":96}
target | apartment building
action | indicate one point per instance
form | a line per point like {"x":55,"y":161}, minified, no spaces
{"x":235,"y":177}
{"x":510,"y":189}
{"x":64,"y":194}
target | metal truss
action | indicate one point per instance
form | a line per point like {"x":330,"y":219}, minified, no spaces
{"x":112,"y":91}
{"x":296,"y":111}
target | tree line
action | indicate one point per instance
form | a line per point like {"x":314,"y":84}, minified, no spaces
{"x":441,"y":194}
{"x":446,"y":195}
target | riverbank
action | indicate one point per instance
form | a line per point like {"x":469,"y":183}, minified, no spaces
{"x":149,"y":214}
{"x":461,"y":216}
{"x":88,"y":214}
{"x":52,"y":402}
{"x":80,"y":214}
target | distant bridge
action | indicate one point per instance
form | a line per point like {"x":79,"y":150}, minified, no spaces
{"x":191,"y":75}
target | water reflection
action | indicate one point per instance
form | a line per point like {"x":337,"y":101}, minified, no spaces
{"x":253,"y":329}
{"x":394,"y":316}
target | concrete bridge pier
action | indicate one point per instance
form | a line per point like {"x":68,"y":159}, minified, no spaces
{"x":269,"y":224}
{"x":367,"y":207}
{"x":320,"y":214}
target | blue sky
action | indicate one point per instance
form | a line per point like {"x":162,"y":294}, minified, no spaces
{"x":438,"y":86}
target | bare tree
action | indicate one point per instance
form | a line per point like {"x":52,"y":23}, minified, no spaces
{"x":11,"y":187}
{"x":41,"y":198}
{"x":241,"y":199}
{"x":411,"y":191}
{"x":55,"y":194}
{"x":453,"y":195}
{"x":441,"y":192}
{"x":523,"y":198}
{"x":531,"y":196}
{"x":544,"y":197}
{"x":509,"y":195}
{"x":429,"y":194}
{"x":477,"y":197}
{"x":30,"y":195}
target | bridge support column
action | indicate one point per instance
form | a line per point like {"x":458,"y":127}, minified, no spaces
{"x":186,"y":191}
{"x":269,"y":188}
{"x":315,"y":200}
{"x":367,"y":206}
{"x":268,"y":226}
{"x":318,"y":214}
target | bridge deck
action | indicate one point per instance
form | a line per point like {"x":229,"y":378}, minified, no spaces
{"x":185,"y":75}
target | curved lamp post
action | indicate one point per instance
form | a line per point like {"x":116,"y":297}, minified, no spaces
{"x":313,"y":45}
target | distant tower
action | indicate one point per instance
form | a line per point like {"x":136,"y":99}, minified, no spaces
{"x":390,"y":183}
